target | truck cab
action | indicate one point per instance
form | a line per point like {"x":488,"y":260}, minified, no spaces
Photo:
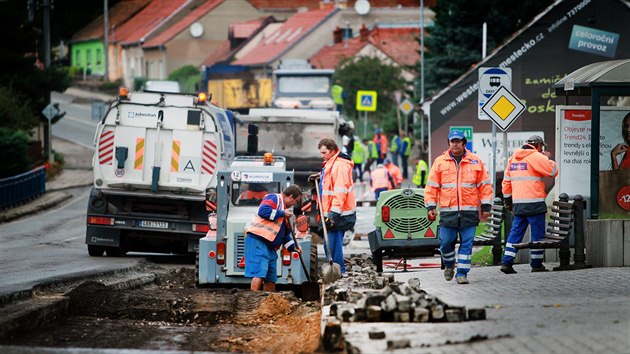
{"x":298,"y":85}
{"x":240,"y":190}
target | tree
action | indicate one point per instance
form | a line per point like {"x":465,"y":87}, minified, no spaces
{"x":453,"y":44}
{"x":367,"y":73}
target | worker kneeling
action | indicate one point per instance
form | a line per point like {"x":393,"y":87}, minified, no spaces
{"x":265,"y":234}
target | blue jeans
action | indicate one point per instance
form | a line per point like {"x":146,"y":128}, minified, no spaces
{"x":519,"y":225}
{"x":448,"y":236}
{"x":336,"y":247}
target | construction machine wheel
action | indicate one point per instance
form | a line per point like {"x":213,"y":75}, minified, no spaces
{"x":95,"y":251}
{"x":313,"y":266}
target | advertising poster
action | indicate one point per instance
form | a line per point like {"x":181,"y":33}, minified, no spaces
{"x":573,"y":143}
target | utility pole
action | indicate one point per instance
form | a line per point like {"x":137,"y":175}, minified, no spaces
{"x":106,"y":38}
{"x":47,"y":33}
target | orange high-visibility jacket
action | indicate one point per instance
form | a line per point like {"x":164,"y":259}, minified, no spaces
{"x":523,"y":180}
{"x":394,"y":171}
{"x":381,"y":139}
{"x":265,"y":228}
{"x":337,"y":184}
{"x":380,"y":178}
{"x":459,"y":189}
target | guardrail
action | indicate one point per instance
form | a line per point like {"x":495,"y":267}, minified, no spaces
{"x":18,"y":189}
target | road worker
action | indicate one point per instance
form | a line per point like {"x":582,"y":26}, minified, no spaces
{"x":266,"y":233}
{"x":405,"y":152}
{"x":394,"y":171}
{"x":524,"y":192}
{"x":458,"y":183}
{"x":395,"y":146}
{"x":380,"y":140}
{"x":381,"y":180}
{"x":421,"y":174}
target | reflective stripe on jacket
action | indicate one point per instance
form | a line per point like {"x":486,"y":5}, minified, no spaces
{"x":458,"y":188}
{"x":380,"y":178}
{"x":523,"y":180}
{"x":418,"y":179}
{"x":268,"y":228}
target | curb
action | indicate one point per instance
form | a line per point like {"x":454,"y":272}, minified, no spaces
{"x":51,"y":199}
{"x":45,"y":305}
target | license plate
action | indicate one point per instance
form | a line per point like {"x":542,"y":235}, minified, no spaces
{"x":154,"y":224}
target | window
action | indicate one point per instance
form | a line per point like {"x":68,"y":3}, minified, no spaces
{"x":99,"y":56}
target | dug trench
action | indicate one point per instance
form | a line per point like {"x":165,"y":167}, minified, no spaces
{"x":173,"y":314}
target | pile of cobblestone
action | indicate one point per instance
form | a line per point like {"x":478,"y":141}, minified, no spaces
{"x":365,"y":296}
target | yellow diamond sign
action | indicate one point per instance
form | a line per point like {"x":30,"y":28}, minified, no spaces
{"x":503,"y":108}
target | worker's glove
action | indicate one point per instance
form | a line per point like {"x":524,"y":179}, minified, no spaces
{"x":312,"y":178}
{"x":508,"y":203}
{"x":329,"y":223}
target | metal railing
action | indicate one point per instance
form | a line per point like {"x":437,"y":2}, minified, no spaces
{"x":18,"y":189}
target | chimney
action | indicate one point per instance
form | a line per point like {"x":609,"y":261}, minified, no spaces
{"x":364,"y":33}
{"x":337,"y":35}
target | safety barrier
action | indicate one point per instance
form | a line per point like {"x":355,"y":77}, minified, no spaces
{"x":492,"y":232}
{"x":17,"y":189}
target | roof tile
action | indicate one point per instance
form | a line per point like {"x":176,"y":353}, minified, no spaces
{"x":118,"y":14}
{"x":146,"y":21}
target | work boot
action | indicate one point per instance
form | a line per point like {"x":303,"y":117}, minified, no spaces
{"x":449,"y":273}
{"x":462,"y":279}
{"x":508,"y":269}
{"x":539,"y":269}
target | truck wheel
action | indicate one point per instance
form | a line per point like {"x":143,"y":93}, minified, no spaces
{"x":197,"y":268}
{"x":95,"y":251}
{"x":313,"y":264}
{"x":115,"y":252}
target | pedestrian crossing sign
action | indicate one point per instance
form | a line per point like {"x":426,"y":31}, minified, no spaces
{"x":366,"y":101}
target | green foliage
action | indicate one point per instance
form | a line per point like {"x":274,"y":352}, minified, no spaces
{"x":111,"y":87}
{"x":482,"y":257}
{"x":454,"y":43}
{"x":368,"y":73}
{"x":13,"y":152}
{"x":188,"y":77}
{"x":14,"y":110}
{"x":138,"y":82}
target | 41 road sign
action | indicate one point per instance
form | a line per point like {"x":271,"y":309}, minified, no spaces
{"x":503,"y":108}
{"x":366,"y":101}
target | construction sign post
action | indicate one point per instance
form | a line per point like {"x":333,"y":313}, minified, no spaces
{"x":366,"y":102}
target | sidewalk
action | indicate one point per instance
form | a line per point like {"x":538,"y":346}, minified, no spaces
{"x":581,"y":311}
{"x":77,"y":172}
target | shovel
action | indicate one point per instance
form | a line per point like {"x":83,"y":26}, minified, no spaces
{"x":330,"y":271}
{"x":310,"y":288}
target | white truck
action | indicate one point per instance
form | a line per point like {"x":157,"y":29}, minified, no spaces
{"x":155,"y":173}
{"x":292,"y":133}
{"x":298,"y":85}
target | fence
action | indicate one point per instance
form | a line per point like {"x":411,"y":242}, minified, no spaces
{"x":17,"y":189}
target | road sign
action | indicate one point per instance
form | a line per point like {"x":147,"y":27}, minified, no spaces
{"x":503,"y":108}
{"x":490,"y":79}
{"x":366,"y":101}
{"x":51,"y":111}
{"x":406,"y":106}
{"x":468,"y":133}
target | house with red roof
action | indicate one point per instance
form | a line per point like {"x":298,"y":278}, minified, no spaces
{"x":86,"y":47}
{"x":392,"y":45}
{"x":199,"y":29}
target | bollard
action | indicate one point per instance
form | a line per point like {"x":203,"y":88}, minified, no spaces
{"x":579,"y":257}
{"x":497,"y":250}
{"x":564,"y":252}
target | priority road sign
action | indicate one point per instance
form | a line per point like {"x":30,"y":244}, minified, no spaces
{"x":490,"y":79}
{"x":366,"y":101}
{"x":405,"y":106}
{"x":503,"y":108}
{"x":50,"y":111}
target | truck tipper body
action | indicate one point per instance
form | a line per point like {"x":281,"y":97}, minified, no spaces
{"x":155,"y":173}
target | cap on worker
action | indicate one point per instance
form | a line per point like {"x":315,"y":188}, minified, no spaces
{"x":387,"y":161}
{"x":379,"y":165}
{"x":536,"y":139}
{"x":378,"y":130}
{"x":456,"y":134}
